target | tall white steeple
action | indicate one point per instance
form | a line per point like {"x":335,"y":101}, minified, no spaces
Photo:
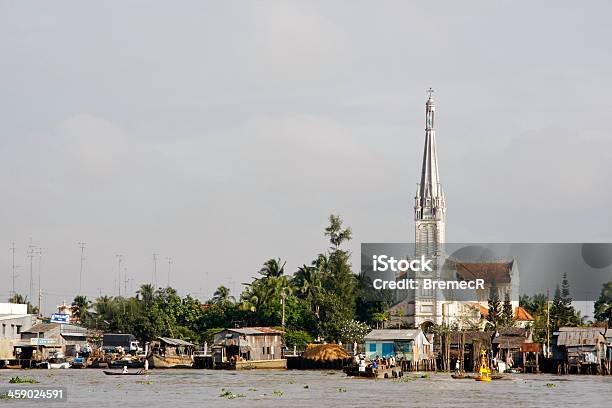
{"x":429,"y":202}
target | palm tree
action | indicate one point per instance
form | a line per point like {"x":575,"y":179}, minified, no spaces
{"x":307,"y":282}
{"x":21,"y":299}
{"x":222,"y":296}
{"x":80,"y":308}
{"x":322,"y":263}
{"x":273,"y":268}
{"x":17,"y":298}
{"x":147,"y":293}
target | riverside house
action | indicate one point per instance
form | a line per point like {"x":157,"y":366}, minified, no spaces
{"x":407,"y":345}
{"x":237,"y":347}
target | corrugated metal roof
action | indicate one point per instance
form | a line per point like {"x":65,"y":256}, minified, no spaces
{"x":579,"y":336}
{"x":175,"y":342}
{"x":41,"y":328}
{"x":392,"y":334}
{"x":254,"y":330}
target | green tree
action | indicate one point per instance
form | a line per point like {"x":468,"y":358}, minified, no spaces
{"x":603,"y":304}
{"x":297,"y":338}
{"x":562,"y":313}
{"x":20,"y":299}
{"x":222,"y":296}
{"x":307,"y":282}
{"x":507,"y":314}
{"x":273,"y":268}
{"x":146,"y":293}
{"x":494,"y":315}
{"x":80,"y":308}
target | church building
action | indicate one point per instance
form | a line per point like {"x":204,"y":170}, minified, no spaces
{"x":426,"y":307}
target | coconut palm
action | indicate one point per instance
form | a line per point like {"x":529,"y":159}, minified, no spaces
{"x":307,"y":282}
{"x":21,"y":299}
{"x":80,"y":308}
{"x":222,"y":296}
{"x":146,"y":293}
{"x":273,"y":268}
{"x":18,"y":298}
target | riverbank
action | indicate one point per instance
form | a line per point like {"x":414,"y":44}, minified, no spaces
{"x":309,"y":388}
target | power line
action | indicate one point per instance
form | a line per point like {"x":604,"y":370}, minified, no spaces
{"x":82,"y":246}
{"x":154,"y":280}
{"x":170,"y":262}
{"x":119,"y":259}
{"x":12,"y":249}
{"x":31,"y":254}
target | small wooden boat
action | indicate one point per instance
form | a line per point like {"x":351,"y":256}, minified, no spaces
{"x":139,"y":372}
{"x":461,"y":377}
{"x":484,"y":378}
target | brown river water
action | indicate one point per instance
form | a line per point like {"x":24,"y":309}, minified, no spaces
{"x":203,"y":388}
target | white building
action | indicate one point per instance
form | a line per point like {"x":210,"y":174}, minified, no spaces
{"x":14,"y":319}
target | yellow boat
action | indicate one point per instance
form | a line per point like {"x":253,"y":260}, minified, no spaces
{"x":485,"y":371}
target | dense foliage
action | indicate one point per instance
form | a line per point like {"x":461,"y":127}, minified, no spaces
{"x":321,"y":302}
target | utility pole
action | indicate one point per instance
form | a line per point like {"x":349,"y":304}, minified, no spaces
{"x":31,"y":254}
{"x":283,"y":295}
{"x":547,"y":323}
{"x":12,"y":249}
{"x":125,"y":282}
{"x":40,"y":252}
{"x":170,"y":261}
{"x":154,"y":281}
{"x":82,"y":246}
{"x":119,"y":259}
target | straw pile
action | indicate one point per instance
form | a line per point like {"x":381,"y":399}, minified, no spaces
{"x":325,"y":352}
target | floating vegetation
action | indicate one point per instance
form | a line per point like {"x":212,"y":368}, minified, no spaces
{"x":146,"y":382}
{"x":252,"y":389}
{"x":425,"y":376}
{"x":331,"y":372}
{"x":341,"y":389}
{"x":404,"y":379}
{"x":306,"y":387}
{"x":292,"y":381}
{"x":23,"y":380}
{"x":278,"y":393}
{"x":230,"y":395}
{"x":551,"y":385}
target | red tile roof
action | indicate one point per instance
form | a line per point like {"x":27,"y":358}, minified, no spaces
{"x":489,"y":271}
{"x":522,"y":315}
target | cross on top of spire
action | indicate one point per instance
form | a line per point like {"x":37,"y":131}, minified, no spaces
{"x":430,"y":92}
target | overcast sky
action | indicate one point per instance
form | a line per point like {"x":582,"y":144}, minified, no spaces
{"x":224,"y":133}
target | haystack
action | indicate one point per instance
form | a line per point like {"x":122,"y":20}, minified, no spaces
{"x":325,"y":352}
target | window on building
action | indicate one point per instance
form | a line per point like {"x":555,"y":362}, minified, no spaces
{"x":18,"y":329}
{"x":3,"y":329}
{"x":372,"y":348}
{"x":268,"y":349}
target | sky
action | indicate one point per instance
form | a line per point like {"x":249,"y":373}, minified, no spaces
{"x":224,"y":133}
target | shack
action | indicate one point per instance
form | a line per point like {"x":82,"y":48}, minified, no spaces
{"x":410,"y":347}
{"x":581,"y":349}
{"x":234,"y":347}
{"x":510,"y":346}
{"x":167,"y":352}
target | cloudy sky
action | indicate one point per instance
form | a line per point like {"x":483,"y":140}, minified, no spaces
{"x":223,"y":133}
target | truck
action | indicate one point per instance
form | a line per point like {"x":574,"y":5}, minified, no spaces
{"x":111,"y":342}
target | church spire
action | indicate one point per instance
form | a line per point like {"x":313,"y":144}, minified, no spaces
{"x":429,"y":200}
